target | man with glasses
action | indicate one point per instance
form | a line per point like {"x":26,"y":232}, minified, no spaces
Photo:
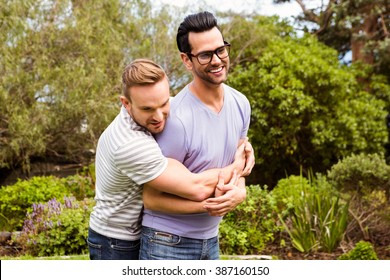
{"x":208,"y":120}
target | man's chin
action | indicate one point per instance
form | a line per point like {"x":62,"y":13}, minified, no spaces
{"x":156,"y":130}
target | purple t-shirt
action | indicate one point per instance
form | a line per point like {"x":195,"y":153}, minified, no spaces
{"x":201,"y":139}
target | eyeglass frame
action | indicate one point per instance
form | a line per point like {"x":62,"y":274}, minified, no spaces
{"x":225,"y":45}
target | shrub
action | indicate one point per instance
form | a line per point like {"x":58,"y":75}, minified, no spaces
{"x":362,"y":251}
{"x":366,"y":180}
{"x":361,"y":174}
{"x":288,"y":191}
{"x":318,"y":217}
{"x":248,"y":228}
{"x":56,"y":228}
{"x":16,"y":199}
{"x":307,"y":110}
{"x":80,"y":186}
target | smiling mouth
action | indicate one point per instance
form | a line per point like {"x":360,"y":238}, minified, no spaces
{"x":216,"y":70}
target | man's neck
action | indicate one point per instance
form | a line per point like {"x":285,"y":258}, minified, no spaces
{"x":211,"y":95}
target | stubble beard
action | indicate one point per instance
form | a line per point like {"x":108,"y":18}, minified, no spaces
{"x":204,"y":75}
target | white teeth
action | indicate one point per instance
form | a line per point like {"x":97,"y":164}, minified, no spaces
{"x":216,"y":70}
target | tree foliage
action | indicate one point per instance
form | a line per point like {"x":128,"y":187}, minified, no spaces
{"x":250,"y":35}
{"x":61,"y":62}
{"x":60,"y":71}
{"x":360,"y":26}
{"x":307,"y":109}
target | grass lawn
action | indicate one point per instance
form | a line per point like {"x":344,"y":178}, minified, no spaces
{"x":86,"y":257}
{"x":26,"y":257}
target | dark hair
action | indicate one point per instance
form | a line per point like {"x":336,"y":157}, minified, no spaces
{"x":199,"y":22}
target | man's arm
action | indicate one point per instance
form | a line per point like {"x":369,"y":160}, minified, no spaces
{"x":168,"y":203}
{"x":178,"y":180}
{"x":155,"y":198}
{"x":249,"y":155}
{"x":228,"y":201}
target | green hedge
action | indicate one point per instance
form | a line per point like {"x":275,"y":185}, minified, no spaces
{"x":248,"y":228}
{"x":363,"y":251}
{"x":56,"y":228}
{"x":17,"y":199}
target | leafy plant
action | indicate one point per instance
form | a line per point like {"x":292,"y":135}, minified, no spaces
{"x":318,"y":220}
{"x":56,"y":228}
{"x":248,"y":228}
{"x":363,"y":251}
{"x":361,"y":174}
{"x":365,"y":180}
{"x":80,"y":186}
{"x":288,"y":191}
{"x":307,"y":109}
{"x":16,"y":199}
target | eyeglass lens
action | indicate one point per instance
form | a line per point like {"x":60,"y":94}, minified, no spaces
{"x":206,"y":57}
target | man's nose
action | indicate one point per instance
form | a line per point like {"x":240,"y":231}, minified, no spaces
{"x":159,"y":115}
{"x":215,"y":58}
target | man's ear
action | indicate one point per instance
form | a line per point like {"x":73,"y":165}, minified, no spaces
{"x":187,"y":61}
{"x":125,"y":102}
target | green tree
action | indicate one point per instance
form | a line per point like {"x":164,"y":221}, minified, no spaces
{"x":307,"y":109}
{"x":250,"y":35}
{"x":61,"y":63}
{"x":359,"y":26}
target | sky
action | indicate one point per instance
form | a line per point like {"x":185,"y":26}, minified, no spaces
{"x":264,"y":7}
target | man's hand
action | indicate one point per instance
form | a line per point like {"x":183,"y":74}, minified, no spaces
{"x":227,"y":197}
{"x":221,"y":188}
{"x":244,"y":158}
{"x":250,"y":159}
{"x":240,"y":157}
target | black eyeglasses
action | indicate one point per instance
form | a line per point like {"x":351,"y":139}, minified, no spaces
{"x":206,"y":57}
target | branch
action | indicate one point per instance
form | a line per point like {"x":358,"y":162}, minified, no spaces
{"x":365,"y":233}
{"x":309,"y":14}
{"x":326,"y":18}
{"x":384,"y":26}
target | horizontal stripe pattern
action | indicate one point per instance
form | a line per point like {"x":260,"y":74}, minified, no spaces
{"x":127,"y":156}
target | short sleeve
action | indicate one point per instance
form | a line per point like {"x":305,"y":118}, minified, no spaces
{"x":141,"y":160}
{"x":246,"y":118}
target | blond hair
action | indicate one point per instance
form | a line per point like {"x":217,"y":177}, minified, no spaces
{"x":141,"y":72}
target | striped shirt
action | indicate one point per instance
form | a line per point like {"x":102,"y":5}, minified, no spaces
{"x":127,"y":156}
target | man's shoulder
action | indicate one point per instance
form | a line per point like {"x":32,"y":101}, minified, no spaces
{"x":182,"y":104}
{"x":234,"y":92}
{"x":239,"y":97}
{"x":179,"y":98}
{"x":120,"y":135}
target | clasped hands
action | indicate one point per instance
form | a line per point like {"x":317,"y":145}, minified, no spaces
{"x":228,"y":196}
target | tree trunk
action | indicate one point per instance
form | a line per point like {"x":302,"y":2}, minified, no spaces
{"x":361,"y":35}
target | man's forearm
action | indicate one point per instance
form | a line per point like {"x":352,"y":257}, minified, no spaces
{"x":221,"y":205}
{"x":167,"y":203}
{"x":178,"y":180}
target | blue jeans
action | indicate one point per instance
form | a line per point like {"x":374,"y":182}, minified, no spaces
{"x":157,"y":245}
{"x":105,"y":248}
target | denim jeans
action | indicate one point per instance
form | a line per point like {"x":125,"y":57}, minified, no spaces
{"x":157,"y":245}
{"x":105,"y":248}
